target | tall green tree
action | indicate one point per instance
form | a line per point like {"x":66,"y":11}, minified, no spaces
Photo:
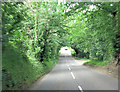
{"x":94,"y":29}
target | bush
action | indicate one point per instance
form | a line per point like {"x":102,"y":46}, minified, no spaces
{"x":18,"y":72}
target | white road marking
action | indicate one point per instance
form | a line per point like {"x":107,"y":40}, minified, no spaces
{"x":69,"y":68}
{"x":73,"y":75}
{"x":80,"y":88}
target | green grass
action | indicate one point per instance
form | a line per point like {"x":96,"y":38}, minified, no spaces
{"x":19,"y":72}
{"x":93,"y":62}
{"x":99,"y":63}
{"x":81,"y":58}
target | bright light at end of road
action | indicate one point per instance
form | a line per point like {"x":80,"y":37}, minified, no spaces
{"x":65,"y":51}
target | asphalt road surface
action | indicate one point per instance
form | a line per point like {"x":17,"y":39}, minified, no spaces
{"x":70,"y":74}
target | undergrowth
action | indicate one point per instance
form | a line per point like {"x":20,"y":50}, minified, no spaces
{"x":19,"y":72}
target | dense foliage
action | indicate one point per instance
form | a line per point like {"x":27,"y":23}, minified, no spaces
{"x":34,"y":32}
{"x":31,"y":40}
{"x":94,"y":31}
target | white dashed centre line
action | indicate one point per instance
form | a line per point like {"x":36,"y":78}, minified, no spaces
{"x":69,"y":68}
{"x":73,"y":75}
{"x":79,"y":87}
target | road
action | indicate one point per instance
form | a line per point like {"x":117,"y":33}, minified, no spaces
{"x":70,"y":74}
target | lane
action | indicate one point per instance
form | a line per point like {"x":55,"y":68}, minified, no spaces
{"x":70,"y":74}
{"x":58,"y":79}
{"x":90,"y":79}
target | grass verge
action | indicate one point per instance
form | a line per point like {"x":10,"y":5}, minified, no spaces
{"x":98,"y":63}
{"x":81,"y":58}
{"x":93,"y":62}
